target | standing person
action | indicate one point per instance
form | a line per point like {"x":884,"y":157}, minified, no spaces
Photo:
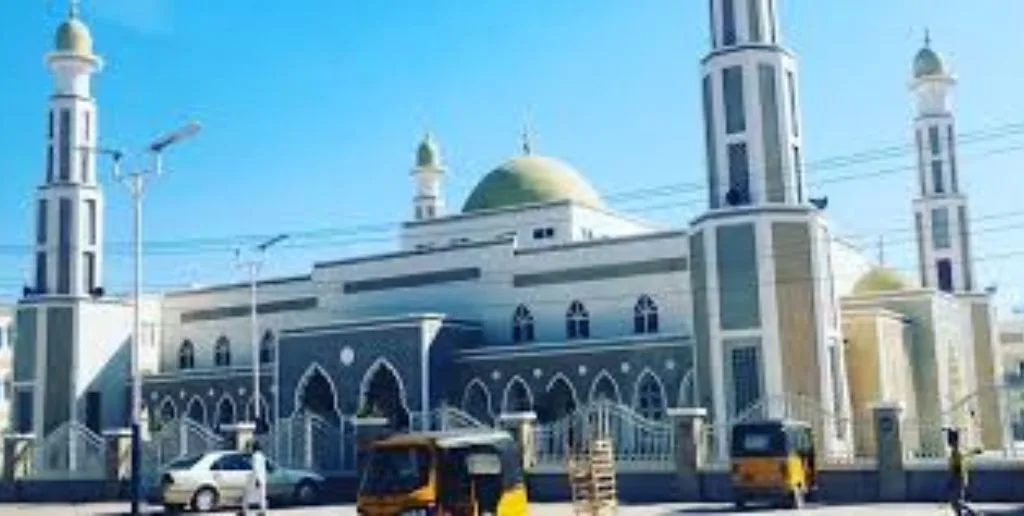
{"x":958,"y":479}
{"x":256,"y":487}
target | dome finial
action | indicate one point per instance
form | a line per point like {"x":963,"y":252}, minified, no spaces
{"x":427,"y":153}
{"x":927,"y":38}
{"x":73,"y":6}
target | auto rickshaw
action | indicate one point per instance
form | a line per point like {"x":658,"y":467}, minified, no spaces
{"x":460,"y":473}
{"x":773,"y":460}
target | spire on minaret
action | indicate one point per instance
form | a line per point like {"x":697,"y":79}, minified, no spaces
{"x":881,"y":250}
{"x":73,"y":6}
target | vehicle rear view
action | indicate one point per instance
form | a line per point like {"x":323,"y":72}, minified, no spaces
{"x":399,"y":479}
{"x":772,"y":461}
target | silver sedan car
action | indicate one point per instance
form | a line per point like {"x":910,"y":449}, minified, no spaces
{"x":218,"y":479}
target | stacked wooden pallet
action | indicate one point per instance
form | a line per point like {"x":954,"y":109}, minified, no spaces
{"x":592,"y":479}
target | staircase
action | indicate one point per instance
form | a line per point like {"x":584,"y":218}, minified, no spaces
{"x":592,"y":479}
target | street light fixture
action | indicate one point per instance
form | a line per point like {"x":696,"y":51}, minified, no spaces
{"x":252,"y":266}
{"x":136,"y":184}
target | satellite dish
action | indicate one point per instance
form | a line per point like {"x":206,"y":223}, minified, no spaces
{"x":820,"y":202}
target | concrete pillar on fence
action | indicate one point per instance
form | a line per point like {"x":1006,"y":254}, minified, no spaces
{"x":119,"y":453}
{"x":520,"y":425}
{"x":689,"y":450}
{"x":242,"y":434}
{"x":368,"y":431}
{"x":18,"y":455}
{"x":892,"y":478}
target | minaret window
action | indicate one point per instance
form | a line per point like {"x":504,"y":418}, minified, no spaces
{"x":754,"y":20}
{"x":937,"y":184}
{"x":732,"y":88}
{"x":49,"y":163}
{"x":940,"y":228}
{"x":41,"y":273}
{"x":89,"y":264}
{"x":919,"y":225}
{"x":65,"y":144}
{"x":951,"y":145}
{"x":41,"y":223}
{"x":794,"y":113}
{"x":739,"y":175}
{"x":645,"y":316}
{"x":920,"y":160}
{"x":522,"y":325}
{"x":728,"y":22}
{"x":267,"y":348}
{"x":49,"y":126}
{"x":771,"y":21}
{"x":710,"y":145}
{"x":798,"y":174}
{"x":90,"y":220}
{"x":945,"y":271}
{"x":933,"y":139}
{"x":64,"y":247}
{"x":222,"y":352}
{"x":577,"y":321}
{"x":745,"y":366}
{"x":965,"y":244}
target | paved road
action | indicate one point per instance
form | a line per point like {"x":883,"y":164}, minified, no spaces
{"x":564,"y":510}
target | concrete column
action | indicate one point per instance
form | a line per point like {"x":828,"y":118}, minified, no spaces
{"x":18,"y":455}
{"x":689,"y":448}
{"x":368,"y":431}
{"x":520,"y":425}
{"x":119,"y":453}
{"x":892,"y":478}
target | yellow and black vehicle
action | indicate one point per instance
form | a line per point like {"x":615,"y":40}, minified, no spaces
{"x":462,"y":473}
{"x":773,"y":460}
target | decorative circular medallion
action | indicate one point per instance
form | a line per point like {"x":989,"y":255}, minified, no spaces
{"x":624,"y":367}
{"x":670,"y":364}
{"x":495,"y":375}
{"x":582,"y":370}
{"x":348,"y":356}
{"x":537,"y":373}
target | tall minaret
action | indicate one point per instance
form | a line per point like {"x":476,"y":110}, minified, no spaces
{"x":428,"y":202}
{"x":766,"y":330}
{"x":69,"y":228}
{"x":940,"y":211}
{"x":752,"y":126}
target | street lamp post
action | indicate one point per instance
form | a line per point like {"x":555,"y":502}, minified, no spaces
{"x":252,"y":266}
{"x":136,"y":184}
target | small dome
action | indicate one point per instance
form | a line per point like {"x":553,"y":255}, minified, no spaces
{"x":427,"y":154}
{"x":73,"y":36}
{"x":879,"y":280}
{"x":530,"y":179}
{"x":928,"y":63}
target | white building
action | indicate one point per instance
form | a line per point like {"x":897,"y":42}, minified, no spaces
{"x":537,"y":295}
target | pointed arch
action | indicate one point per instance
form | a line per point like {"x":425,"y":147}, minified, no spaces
{"x":521,"y":399}
{"x":522,"y":324}
{"x":476,"y":401}
{"x":226,"y":412}
{"x":196,"y":410}
{"x":559,"y":400}
{"x":222,"y":352}
{"x":186,"y":355}
{"x":316,"y":373}
{"x":604,"y":385}
{"x":249,"y":413}
{"x":380,"y":378}
{"x":687,"y":389}
{"x":577,"y":321}
{"x":168,"y":410}
{"x":649,"y":395}
{"x":645,"y":315}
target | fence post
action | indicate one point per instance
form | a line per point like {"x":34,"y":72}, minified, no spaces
{"x":18,"y":455}
{"x":892,"y":479}
{"x":520,"y":425}
{"x":242,"y":434}
{"x":688,"y":424}
{"x":119,"y":441}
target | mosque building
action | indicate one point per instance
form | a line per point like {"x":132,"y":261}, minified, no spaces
{"x":536,"y":295}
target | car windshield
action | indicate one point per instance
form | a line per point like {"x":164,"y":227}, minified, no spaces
{"x":396,"y":470}
{"x":184,"y":462}
{"x":758,"y":441}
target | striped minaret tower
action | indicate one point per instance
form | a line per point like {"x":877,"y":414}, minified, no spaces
{"x":767,"y":335}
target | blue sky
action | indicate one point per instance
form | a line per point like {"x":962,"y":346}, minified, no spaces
{"x":312,"y":110}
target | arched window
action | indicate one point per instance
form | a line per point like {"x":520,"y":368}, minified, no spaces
{"x":222,"y":352}
{"x":168,"y":412}
{"x":522,"y":325}
{"x":577,"y":321}
{"x":186,"y":355}
{"x":650,"y":397}
{"x":267,"y":348}
{"x":225,"y":412}
{"x":518,"y":397}
{"x":645,"y":316}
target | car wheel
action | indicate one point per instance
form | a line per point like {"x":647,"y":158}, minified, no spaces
{"x":306,"y":493}
{"x":205,"y":500}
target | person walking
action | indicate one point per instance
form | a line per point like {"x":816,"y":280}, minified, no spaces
{"x":958,"y":478}
{"x":256,"y":487}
